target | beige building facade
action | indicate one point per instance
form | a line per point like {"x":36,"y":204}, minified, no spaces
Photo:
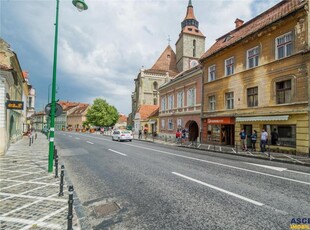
{"x":257,"y":77}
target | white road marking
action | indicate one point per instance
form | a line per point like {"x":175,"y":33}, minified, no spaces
{"x":293,"y":159}
{"x":90,"y":142}
{"x":220,"y":189}
{"x":123,"y":154}
{"x":298,"y":172}
{"x":220,"y":164}
{"x":77,"y":138}
{"x":209,"y":146}
{"x":220,"y":148}
{"x":269,"y":167}
{"x":233,"y":150}
{"x":249,"y":153}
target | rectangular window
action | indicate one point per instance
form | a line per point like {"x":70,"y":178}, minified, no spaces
{"x":163,"y":104}
{"x":252,"y":95}
{"x":283,"y":92}
{"x":229,"y":66}
{"x":212,"y":103}
{"x":211,"y":73}
{"x":191,"y":97}
{"x":284,"y":45}
{"x":253,"y":55}
{"x":179,"y":122}
{"x":229,"y":100}
{"x":170,"y":124}
{"x":170,"y":102}
{"x":180,"y":99}
{"x":162,"y":123}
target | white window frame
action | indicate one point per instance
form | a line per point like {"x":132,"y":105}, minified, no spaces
{"x":180,"y":99}
{"x":179,"y":122}
{"x":162,"y":123}
{"x":191,"y":97}
{"x":212,"y":73}
{"x":252,"y":55}
{"x":229,"y":66}
{"x":212,"y":103}
{"x":163,"y":104}
{"x":229,"y":100}
{"x":170,"y":123}
{"x":284,"y":41}
{"x":170,"y":102}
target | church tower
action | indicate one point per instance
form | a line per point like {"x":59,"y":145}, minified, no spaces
{"x":191,"y":43}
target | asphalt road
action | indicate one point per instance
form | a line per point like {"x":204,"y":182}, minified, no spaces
{"x":140,"y":185}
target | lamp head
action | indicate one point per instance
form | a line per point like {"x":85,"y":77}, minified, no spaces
{"x":80,"y":5}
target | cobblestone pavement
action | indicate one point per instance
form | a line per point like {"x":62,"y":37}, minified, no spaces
{"x":28,"y":193}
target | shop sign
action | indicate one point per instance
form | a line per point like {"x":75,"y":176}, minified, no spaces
{"x":221,"y":120}
{"x":19,"y":105}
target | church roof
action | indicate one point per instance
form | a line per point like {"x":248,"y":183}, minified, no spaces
{"x":165,"y":63}
{"x":190,"y":11}
{"x":268,"y":17}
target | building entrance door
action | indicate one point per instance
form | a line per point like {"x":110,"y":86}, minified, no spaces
{"x":248,"y":131}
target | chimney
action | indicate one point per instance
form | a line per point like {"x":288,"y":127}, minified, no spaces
{"x":238,"y":22}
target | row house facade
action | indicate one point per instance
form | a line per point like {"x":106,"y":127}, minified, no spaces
{"x":180,"y":98}
{"x":257,"y":77}
{"x":14,"y":86}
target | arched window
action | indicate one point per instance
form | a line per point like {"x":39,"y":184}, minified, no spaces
{"x":155,"y":85}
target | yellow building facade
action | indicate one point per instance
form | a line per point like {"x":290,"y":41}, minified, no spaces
{"x":257,"y":77}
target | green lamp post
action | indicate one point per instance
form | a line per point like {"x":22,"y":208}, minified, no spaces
{"x":80,"y":5}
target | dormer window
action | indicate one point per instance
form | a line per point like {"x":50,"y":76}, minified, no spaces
{"x":227,"y":38}
{"x":190,"y":29}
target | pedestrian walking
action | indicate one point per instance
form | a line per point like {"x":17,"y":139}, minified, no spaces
{"x":253,"y":140}
{"x":263,"y":140}
{"x":243,"y":137}
{"x":178,"y":136}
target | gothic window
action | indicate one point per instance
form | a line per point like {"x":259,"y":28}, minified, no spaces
{"x":194,"y":48}
{"x":155,"y":85}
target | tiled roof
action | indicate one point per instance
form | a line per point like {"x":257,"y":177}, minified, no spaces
{"x":155,"y":113}
{"x":79,"y":110}
{"x":146,"y":110}
{"x":191,"y":30}
{"x":122,"y":118}
{"x":166,"y":62}
{"x":268,"y":17}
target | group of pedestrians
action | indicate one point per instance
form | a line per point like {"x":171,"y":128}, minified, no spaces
{"x":263,"y":139}
{"x":180,"y":135}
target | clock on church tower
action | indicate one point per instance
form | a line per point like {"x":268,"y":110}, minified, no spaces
{"x":193,"y":63}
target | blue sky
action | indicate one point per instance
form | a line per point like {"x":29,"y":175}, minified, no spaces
{"x":101,"y":50}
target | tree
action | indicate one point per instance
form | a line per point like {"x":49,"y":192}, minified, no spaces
{"x":102,"y":114}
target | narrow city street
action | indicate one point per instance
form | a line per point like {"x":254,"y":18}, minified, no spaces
{"x":140,"y":185}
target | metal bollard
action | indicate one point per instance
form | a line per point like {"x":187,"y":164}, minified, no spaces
{"x":36,"y":136}
{"x":61,"y":187}
{"x":56,"y":166}
{"x":29,"y":141}
{"x":269,"y":151}
{"x":32,"y":139}
{"x":236,"y":148}
{"x":70,"y":207}
{"x":55,"y":152}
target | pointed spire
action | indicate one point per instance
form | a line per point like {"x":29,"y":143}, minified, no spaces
{"x":190,"y":3}
{"x":190,"y":19}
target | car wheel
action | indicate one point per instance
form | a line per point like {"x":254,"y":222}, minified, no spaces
{"x":130,"y":140}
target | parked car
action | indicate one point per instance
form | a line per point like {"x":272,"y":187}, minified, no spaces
{"x":122,"y":135}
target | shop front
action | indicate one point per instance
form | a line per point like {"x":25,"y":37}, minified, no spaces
{"x":219,"y":130}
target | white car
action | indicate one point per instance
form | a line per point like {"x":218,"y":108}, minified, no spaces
{"x":122,"y":135}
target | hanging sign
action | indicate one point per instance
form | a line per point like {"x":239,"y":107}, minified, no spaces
{"x":19,"y":105}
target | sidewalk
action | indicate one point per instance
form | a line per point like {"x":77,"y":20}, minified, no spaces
{"x":28,"y":193}
{"x":218,"y":149}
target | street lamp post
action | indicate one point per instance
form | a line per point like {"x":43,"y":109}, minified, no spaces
{"x":80,"y":5}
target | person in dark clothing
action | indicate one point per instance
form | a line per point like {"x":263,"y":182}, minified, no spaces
{"x":274,"y":137}
{"x":253,"y":140}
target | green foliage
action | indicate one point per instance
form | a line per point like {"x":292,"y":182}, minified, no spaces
{"x":102,"y":114}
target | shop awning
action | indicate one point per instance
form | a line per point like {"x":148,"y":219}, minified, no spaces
{"x":263,"y":118}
